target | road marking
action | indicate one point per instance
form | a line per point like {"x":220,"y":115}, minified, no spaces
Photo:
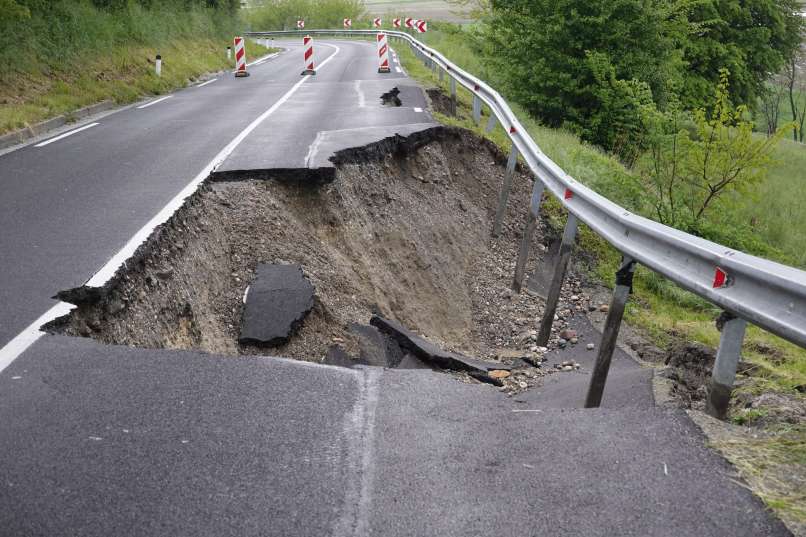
{"x":418,"y":109}
{"x":362,"y":99}
{"x":314,"y":148}
{"x":32,"y":333}
{"x":205,"y":83}
{"x":259,"y":61}
{"x":66,"y":134}
{"x":525,"y":410}
{"x":397,"y":70}
{"x":154,"y":102}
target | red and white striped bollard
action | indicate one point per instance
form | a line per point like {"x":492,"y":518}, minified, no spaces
{"x":383,"y":54}
{"x":307,"y":45}
{"x":240,"y":57}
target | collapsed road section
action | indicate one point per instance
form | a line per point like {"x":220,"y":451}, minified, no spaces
{"x":402,"y":230}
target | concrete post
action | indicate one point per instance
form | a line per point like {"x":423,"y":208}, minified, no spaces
{"x":229,"y":53}
{"x":556,"y":285}
{"x":503,"y":196}
{"x":476,"y":109}
{"x":727,"y":359}
{"x":491,"y":123}
{"x":601,"y":367}
{"x":158,"y":65}
{"x":528,"y":233}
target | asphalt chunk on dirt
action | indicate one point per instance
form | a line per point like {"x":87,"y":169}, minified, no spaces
{"x":275,"y":304}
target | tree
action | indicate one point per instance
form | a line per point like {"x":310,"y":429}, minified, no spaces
{"x":796,"y":90}
{"x":771,"y":100}
{"x":690,"y":169}
{"x":751,"y":38}
{"x":582,"y":65}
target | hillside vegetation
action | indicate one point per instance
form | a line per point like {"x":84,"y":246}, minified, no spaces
{"x":773,"y":459}
{"x":59,"y":55}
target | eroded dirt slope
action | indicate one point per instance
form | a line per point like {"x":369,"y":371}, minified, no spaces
{"x":404,"y":230}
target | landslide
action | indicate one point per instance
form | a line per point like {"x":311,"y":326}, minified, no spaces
{"x":401,"y":229}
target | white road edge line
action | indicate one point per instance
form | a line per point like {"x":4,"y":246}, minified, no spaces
{"x":418,"y":109}
{"x":11,"y":350}
{"x":66,"y":134}
{"x":205,"y":83}
{"x":155,"y":101}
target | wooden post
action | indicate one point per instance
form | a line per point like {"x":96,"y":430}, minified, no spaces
{"x":553,"y":296}
{"x":601,"y":367}
{"x":503,"y":196}
{"x":528,"y":233}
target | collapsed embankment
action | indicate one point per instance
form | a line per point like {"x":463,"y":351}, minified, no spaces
{"x":402,"y":229}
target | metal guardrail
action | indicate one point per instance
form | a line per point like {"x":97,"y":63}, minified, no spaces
{"x":747,"y":288}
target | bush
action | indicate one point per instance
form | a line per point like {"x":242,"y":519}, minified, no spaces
{"x":590,"y":68}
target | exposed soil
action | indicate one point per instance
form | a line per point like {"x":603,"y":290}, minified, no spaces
{"x":402,"y":230}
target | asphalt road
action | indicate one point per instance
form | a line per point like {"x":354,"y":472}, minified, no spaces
{"x":102,"y":440}
{"x":69,"y":206}
{"x":107,"y":440}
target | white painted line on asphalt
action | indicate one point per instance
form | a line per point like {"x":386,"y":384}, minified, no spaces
{"x":362,"y":99}
{"x":66,"y":134}
{"x":418,"y":109}
{"x":397,"y":70}
{"x":154,"y":102}
{"x":525,"y":410}
{"x":11,"y":350}
{"x":313,"y":148}
{"x":259,"y":61}
{"x":205,"y":83}
{"x":28,"y":337}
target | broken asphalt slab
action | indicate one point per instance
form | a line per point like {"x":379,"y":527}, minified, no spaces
{"x":277,"y":301}
{"x":430,"y":353}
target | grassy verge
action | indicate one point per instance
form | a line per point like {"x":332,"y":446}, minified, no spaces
{"x":71,"y":54}
{"x":661,"y":310}
{"x":124,"y":75}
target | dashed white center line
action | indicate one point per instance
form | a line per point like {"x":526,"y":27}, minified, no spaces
{"x":66,"y":134}
{"x":154,"y":102}
{"x":205,"y":83}
{"x":418,"y":109}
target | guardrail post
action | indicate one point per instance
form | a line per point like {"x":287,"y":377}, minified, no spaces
{"x":528,"y":232}
{"x":556,"y":285}
{"x":476,"y":109}
{"x":491,"y":123}
{"x":601,"y":367}
{"x":727,"y":359}
{"x":441,"y":75}
{"x":503,"y":196}
{"x":453,"y":96}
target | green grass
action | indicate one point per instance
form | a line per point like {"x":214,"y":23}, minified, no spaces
{"x":70,"y":54}
{"x":124,"y":75}
{"x":778,"y":210}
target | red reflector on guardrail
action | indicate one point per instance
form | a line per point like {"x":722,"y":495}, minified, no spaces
{"x":568,"y":194}
{"x":721,"y":279}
